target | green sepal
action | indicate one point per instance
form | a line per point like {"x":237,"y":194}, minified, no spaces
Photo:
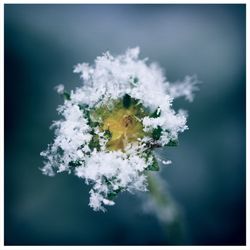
{"x":154,"y":166}
{"x":66,"y":95}
{"x":87,"y":113}
{"x":112,"y":195}
{"x":173,"y":143}
{"x":94,"y":143}
{"x":107,"y":134}
{"x":155,"y":114}
{"x":75,"y":163}
{"x":156,"y":134}
{"x":83,"y":107}
{"x":126,"y":101}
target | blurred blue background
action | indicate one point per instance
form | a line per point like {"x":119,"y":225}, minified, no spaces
{"x":207,"y":178}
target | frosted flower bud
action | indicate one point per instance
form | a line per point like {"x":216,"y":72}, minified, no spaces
{"x":113,"y":121}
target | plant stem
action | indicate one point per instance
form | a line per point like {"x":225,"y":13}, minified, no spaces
{"x":166,"y":210}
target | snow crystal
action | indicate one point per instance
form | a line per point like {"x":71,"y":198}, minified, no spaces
{"x":185,"y":88}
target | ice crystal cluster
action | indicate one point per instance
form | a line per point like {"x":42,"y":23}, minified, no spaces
{"x":112,"y":123}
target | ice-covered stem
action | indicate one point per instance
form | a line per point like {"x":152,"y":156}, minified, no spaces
{"x":161,"y":204}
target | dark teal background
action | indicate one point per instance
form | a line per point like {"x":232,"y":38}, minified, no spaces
{"x":207,"y":177}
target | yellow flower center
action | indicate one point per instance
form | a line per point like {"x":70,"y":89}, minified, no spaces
{"x":124,"y":126}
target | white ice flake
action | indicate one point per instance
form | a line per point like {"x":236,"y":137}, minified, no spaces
{"x":59,"y":88}
{"x":185,"y":88}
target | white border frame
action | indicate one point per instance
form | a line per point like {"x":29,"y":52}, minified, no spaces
{"x":2,"y":124}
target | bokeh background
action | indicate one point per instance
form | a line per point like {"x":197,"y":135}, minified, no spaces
{"x":207,"y":178}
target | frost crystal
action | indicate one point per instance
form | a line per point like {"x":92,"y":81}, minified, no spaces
{"x":113,"y":121}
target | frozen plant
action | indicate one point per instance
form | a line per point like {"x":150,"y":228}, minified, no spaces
{"x":112,"y":123}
